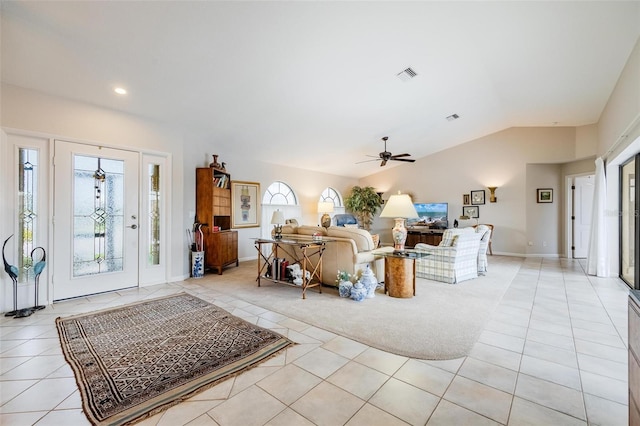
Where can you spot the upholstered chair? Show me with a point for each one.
(343, 219)
(485, 240)
(454, 260)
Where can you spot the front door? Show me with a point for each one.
(95, 220)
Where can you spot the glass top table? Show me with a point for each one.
(400, 270)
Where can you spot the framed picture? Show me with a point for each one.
(545, 195)
(466, 199)
(477, 197)
(245, 204)
(471, 211)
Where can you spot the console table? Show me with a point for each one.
(424, 235)
(305, 252)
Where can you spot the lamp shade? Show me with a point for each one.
(399, 205)
(324, 207)
(277, 218)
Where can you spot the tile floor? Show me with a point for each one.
(554, 353)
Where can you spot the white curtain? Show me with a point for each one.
(597, 260)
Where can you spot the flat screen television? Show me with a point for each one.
(434, 215)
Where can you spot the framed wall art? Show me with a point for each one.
(545, 195)
(477, 197)
(245, 204)
(466, 199)
(472, 212)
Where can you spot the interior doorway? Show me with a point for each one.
(582, 190)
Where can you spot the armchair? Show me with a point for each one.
(345, 219)
(454, 260)
(485, 243)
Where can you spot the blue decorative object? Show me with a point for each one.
(358, 292)
(13, 273)
(345, 288)
(38, 267)
(370, 282)
(197, 264)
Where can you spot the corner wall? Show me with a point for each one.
(517, 161)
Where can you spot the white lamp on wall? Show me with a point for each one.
(325, 208)
(399, 207)
(277, 220)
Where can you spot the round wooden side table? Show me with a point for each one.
(400, 276)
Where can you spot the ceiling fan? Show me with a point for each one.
(386, 156)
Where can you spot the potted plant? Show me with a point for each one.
(363, 202)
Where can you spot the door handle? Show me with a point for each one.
(134, 226)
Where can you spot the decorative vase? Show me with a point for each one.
(344, 289)
(399, 234)
(370, 282)
(358, 292)
(215, 163)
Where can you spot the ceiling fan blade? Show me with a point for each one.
(408, 160)
(384, 161)
(401, 155)
(367, 161)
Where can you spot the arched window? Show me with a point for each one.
(330, 195)
(278, 196)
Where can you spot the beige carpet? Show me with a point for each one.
(443, 321)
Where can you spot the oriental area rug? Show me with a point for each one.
(134, 361)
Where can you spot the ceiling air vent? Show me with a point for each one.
(453, 117)
(407, 74)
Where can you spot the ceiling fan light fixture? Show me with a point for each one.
(406, 74)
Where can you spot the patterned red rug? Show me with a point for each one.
(134, 361)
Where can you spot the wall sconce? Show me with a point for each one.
(492, 193)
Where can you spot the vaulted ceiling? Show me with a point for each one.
(314, 84)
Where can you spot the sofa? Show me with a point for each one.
(350, 249)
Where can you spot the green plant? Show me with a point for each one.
(363, 202)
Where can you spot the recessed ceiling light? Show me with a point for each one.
(453, 117)
(120, 91)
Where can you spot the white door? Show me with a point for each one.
(583, 204)
(95, 245)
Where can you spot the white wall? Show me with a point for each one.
(501, 160)
(52, 117)
(619, 139)
(307, 185)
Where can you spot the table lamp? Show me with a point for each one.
(325, 208)
(399, 207)
(277, 220)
